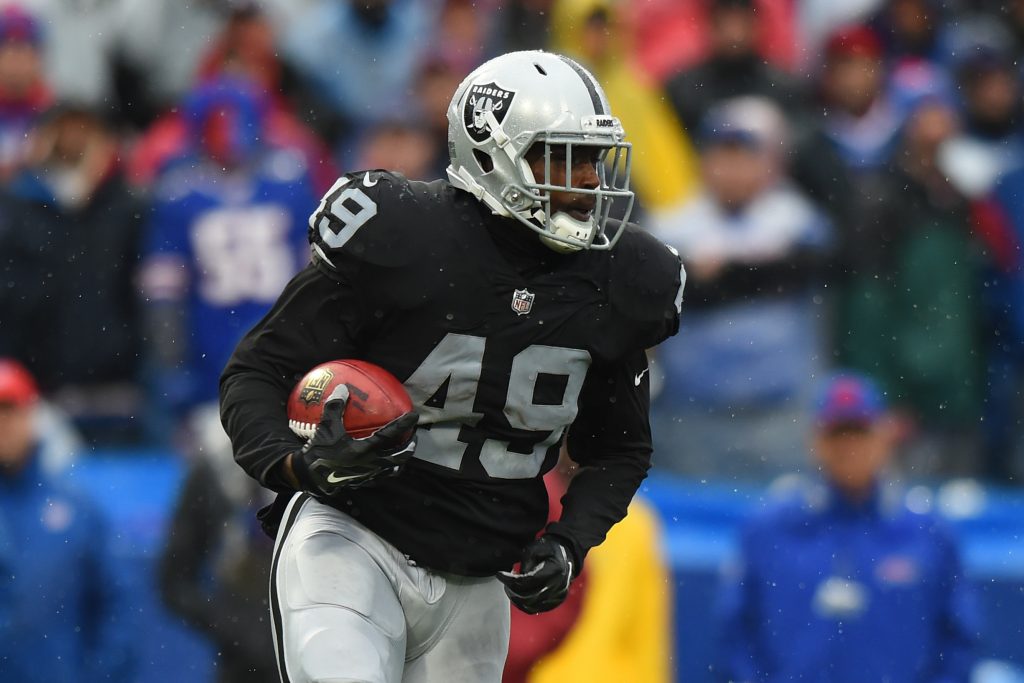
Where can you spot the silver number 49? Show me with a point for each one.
(457, 362)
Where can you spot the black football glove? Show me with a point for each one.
(332, 460)
(542, 581)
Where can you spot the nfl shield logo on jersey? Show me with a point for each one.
(522, 301)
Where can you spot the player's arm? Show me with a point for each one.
(611, 441)
(322, 315)
(317, 318)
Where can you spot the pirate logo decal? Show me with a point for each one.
(484, 98)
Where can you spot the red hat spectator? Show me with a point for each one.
(17, 386)
(854, 41)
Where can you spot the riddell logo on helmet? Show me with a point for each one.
(484, 98)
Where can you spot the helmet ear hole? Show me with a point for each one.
(483, 159)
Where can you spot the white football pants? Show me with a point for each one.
(347, 607)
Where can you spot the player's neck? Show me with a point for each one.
(521, 247)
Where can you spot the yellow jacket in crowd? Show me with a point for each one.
(624, 631)
(665, 169)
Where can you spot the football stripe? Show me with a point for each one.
(291, 514)
(588, 80)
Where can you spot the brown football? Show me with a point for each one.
(376, 397)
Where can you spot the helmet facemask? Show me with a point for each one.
(558, 228)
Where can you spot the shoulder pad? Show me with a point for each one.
(647, 278)
(376, 217)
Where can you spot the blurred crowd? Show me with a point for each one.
(844, 181)
(841, 180)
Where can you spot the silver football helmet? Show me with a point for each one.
(522, 99)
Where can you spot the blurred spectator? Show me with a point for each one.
(674, 34)
(912, 30)
(63, 611)
(910, 311)
(246, 48)
(859, 124)
(1011, 14)
(24, 94)
(403, 146)
(466, 32)
(843, 582)
(228, 231)
(860, 120)
(533, 636)
(992, 141)
(362, 55)
(733, 67)
(1000, 222)
(820, 19)
(664, 170)
(438, 79)
(71, 249)
(123, 57)
(524, 25)
(737, 374)
(215, 567)
(245, 51)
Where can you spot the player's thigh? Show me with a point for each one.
(472, 646)
(336, 616)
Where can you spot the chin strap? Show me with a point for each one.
(565, 226)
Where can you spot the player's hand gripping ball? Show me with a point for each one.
(358, 421)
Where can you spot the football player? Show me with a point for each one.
(516, 312)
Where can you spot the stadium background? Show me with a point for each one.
(343, 89)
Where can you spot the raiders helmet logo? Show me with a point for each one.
(481, 99)
(313, 391)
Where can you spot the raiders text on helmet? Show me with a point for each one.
(522, 99)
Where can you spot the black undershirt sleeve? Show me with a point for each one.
(317, 318)
(611, 441)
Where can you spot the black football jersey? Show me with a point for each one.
(506, 348)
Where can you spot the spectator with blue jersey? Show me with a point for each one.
(844, 583)
(227, 232)
(63, 615)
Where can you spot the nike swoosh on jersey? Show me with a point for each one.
(334, 479)
(366, 180)
(636, 380)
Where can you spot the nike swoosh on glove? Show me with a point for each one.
(542, 581)
(332, 460)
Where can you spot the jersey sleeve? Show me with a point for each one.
(316, 319)
(647, 286)
(611, 441)
(373, 217)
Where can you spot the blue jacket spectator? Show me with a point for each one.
(845, 584)
(228, 230)
(62, 614)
